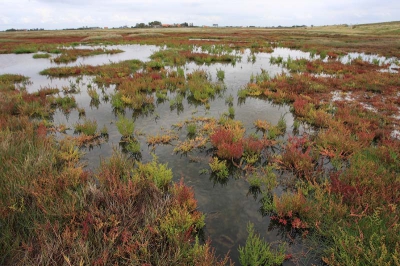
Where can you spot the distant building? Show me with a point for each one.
(215, 25)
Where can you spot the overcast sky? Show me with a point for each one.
(59, 14)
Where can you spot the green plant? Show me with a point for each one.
(242, 94)
(322, 54)
(191, 129)
(220, 74)
(25, 50)
(281, 124)
(81, 111)
(65, 103)
(176, 101)
(36, 56)
(219, 168)
(133, 147)
(125, 126)
(258, 252)
(229, 100)
(159, 173)
(376, 61)
(231, 111)
(276, 60)
(296, 125)
(116, 101)
(104, 130)
(88, 127)
(161, 96)
(92, 92)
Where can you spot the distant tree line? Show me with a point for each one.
(155, 24)
(36, 29)
(83, 28)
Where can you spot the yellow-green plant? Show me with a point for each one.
(219, 168)
(125, 126)
(258, 252)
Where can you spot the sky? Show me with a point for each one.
(61, 14)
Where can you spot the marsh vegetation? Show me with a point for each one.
(246, 146)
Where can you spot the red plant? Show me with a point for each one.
(41, 130)
(184, 196)
(155, 76)
(227, 146)
(230, 150)
(299, 107)
(253, 145)
(297, 156)
(348, 192)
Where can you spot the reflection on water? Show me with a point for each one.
(228, 207)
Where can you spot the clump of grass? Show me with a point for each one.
(155, 64)
(229, 100)
(219, 168)
(281, 125)
(220, 74)
(159, 173)
(276, 60)
(81, 111)
(296, 125)
(262, 125)
(88, 127)
(191, 129)
(322, 54)
(12, 78)
(277, 130)
(65, 103)
(104, 131)
(161, 139)
(25, 50)
(94, 95)
(242, 94)
(200, 87)
(125, 126)
(161, 96)
(176, 101)
(36, 56)
(231, 111)
(116, 101)
(258, 252)
(133, 147)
